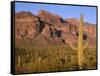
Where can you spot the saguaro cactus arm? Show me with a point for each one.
(86, 45)
(73, 47)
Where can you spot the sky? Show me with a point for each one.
(65, 11)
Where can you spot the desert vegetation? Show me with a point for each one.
(54, 58)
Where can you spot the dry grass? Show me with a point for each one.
(53, 58)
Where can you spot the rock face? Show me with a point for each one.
(47, 31)
(50, 29)
(26, 25)
(49, 17)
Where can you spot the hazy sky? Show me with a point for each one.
(65, 11)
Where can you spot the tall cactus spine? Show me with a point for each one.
(80, 45)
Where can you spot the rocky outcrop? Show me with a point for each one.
(47, 32)
(50, 29)
(50, 18)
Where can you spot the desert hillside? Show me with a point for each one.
(43, 42)
(50, 29)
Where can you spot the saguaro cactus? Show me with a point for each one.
(19, 62)
(81, 47)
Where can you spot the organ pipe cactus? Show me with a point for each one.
(81, 47)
